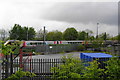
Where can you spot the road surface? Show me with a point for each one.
(55, 56)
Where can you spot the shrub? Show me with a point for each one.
(92, 71)
(71, 68)
(81, 47)
(113, 68)
(74, 68)
(19, 74)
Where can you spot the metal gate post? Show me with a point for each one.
(20, 60)
(6, 67)
(11, 64)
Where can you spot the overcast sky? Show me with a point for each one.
(61, 14)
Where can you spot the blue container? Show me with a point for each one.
(92, 56)
(100, 57)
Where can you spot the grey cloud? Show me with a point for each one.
(83, 12)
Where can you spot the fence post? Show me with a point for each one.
(1, 67)
(6, 67)
(21, 57)
(11, 64)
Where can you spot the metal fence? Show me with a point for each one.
(41, 67)
(56, 48)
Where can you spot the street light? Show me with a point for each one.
(97, 31)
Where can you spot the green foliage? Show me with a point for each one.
(85, 35)
(71, 68)
(104, 36)
(6, 50)
(97, 43)
(70, 34)
(113, 68)
(82, 35)
(118, 37)
(92, 71)
(19, 74)
(22, 33)
(38, 53)
(91, 38)
(81, 47)
(31, 33)
(54, 35)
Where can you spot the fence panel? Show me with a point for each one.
(41, 67)
(56, 48)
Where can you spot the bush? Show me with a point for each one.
(71, 68)
(19, 74)
(92, 71)
(81, 47)
(74, 68)
(113, 68)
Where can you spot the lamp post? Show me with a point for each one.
(97, 31)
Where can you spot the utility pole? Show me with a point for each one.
(27, 34)
(97, 31)
(44, 36)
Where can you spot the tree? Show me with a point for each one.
(90, 32)
(22, 33)
(104, 36)
(8, 50)
(3, 34)
(58, 35)
(70, 34)
(82, 35)
(15, 32)
(31, 33)
(39, 34)
(118, 38)
(54, 35)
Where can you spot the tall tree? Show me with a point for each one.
(70, 34)
(104, 36)
(89, 33)
(54, 35)
(58, 35)
(31, 33)
(82, 35)
(22, 33)
(15, 32)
